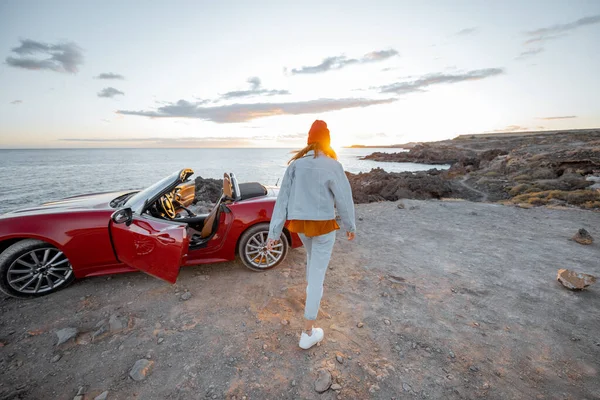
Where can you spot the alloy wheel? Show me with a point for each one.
(39, 271)
(257, 253)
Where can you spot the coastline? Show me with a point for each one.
(556, 168)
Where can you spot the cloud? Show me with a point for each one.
(339, 62)
(60, 57)
(529, 53)
(510, 128)
(224, 141)
(418, 85)
(156, 139)
(467, 31)
(109, 75)
(109, 92)
(255, 90)
(293, 136)
(233, 113)
(562, 117)
(16, 102)
(559, 30)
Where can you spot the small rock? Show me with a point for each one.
(451, 353)
(66, 334)
(401, 205)
(473, 368)
(265, 346)
(339, 359)
(100, 323)
(81, 391)
(336, 386)
(323, 381)
(56, 358)
(360, 218)
(373, 388)
(102, 396)
(284, 322)
(293, 383)
(414, 207)
(574, 280)
(406, 387)
(101, 331)
(583, 237)
(386, 321)
(360, 325)
(186, 296)
(115, 324)
(141, 369)
(160, 340)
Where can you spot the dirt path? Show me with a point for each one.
(458, 301)
(463, 183)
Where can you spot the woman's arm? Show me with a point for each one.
(342, 192)
(280, 211)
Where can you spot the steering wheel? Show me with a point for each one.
(166, 204)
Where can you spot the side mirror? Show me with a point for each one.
(123, 216)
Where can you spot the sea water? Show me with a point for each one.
(29, 177)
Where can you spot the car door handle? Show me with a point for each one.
(165, 238)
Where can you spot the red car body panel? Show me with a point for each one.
(79, 227)
(155, 247)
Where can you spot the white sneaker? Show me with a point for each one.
(308, 341)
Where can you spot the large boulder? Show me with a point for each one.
(379, 185)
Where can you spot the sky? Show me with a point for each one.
(257, 74)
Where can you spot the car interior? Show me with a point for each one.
(175, 206)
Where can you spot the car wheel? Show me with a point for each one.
(253, 249)
(31, 268)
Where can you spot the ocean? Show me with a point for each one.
(30, 177)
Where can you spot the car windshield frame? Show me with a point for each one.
(140, 199)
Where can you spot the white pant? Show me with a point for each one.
(318, 254)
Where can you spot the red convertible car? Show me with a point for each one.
(43, 249)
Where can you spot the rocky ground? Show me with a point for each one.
(559, 168)
(433, 300)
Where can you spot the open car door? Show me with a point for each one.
(151, 245)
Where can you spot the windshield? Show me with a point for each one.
(137, 201)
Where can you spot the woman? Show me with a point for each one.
(313, 183)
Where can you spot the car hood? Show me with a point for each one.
(95, 201)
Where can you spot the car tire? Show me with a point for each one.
(33, 268)
(251, 251)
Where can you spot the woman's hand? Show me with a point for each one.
(350, 235)
(271, 243)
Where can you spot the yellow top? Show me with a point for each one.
(312, 228)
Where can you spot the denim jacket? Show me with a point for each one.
(309, 190)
